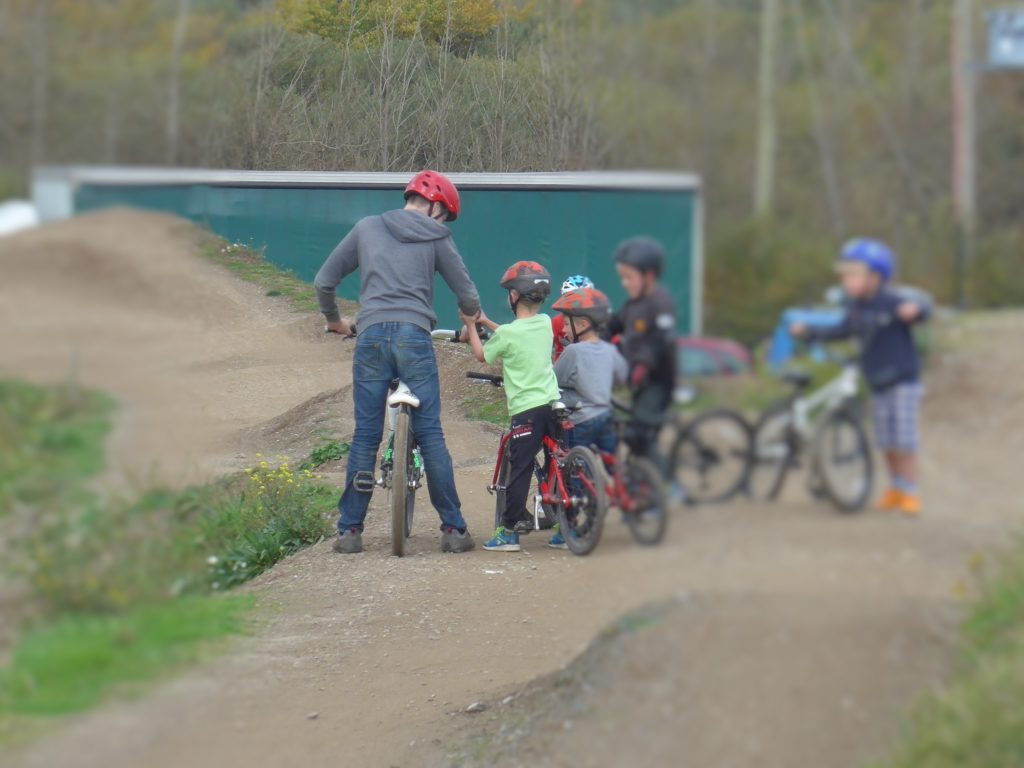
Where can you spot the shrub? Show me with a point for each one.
(107, 556)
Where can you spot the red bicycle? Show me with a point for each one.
(568, 484)
(634, 485)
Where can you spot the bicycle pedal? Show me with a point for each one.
(523, 527)
(364, 482)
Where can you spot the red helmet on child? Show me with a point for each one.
(437, 188)
(585, 302)
(529, 279)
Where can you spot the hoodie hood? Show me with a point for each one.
(414, 227)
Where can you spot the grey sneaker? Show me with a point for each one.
(349, 543)
(453, 541)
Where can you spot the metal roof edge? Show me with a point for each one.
(145, 176)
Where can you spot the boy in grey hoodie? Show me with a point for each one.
(397, 254)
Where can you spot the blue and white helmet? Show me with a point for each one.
(575, 282)
(876, 255)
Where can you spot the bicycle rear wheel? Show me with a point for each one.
(712, 456)
(583, 520)
(648, 517)
(843, 463)
(401, 497)
(773, 453)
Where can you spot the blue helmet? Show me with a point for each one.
(575, 282)
(874, 254)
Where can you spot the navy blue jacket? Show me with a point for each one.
(888, 354)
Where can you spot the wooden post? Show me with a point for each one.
(964, 143)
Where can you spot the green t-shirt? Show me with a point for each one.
(524, 348)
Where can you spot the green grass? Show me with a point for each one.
(327, 450)
(77, 661)
(112, 555)
(977, 721)
(119, 590)
(250, 265)
(483, 402)
(488, 410)
(51, 442)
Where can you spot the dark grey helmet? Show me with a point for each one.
(643, 253)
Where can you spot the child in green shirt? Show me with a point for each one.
(524, 349)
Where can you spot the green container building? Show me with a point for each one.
(570, 222)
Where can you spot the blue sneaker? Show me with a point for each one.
(558, 540)
(503, 540)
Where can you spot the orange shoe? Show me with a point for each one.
(891, 500)
(910, 504)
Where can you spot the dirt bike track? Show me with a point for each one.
(793, 637)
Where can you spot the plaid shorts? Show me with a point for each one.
(896, 410)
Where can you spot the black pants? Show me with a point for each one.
(526, 437)
(650, 405)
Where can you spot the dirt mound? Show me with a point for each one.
(327, 416)
(120, 259)
(124, 302)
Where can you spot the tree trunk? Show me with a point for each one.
(964, 128)
(822, 134)
(174, 84)
(767, 131)
(40, 80)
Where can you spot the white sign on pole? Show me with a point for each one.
(1006, 39)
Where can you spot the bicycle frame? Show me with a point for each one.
(808, 409)
(615, 488)
(552, 488)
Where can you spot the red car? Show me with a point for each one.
(702, 356)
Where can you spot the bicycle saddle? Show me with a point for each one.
(402, 396)
(799, 379)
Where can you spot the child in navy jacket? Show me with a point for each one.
(880, 318)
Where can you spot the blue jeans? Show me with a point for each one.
(384, 352)
(598, 431)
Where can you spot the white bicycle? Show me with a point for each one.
(827, 426)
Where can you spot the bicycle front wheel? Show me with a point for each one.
(712, 456)
(647, 516)
(401, 495)
(415, 476)
(772, 454)
(583, 520)
(843, 463)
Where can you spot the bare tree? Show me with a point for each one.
(40, 80)
(767, 132)
(822, 134)
(174, 81)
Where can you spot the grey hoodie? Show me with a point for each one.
(397, 254)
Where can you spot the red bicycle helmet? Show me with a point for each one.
(529, 278)
(437, 188)
(585, 302)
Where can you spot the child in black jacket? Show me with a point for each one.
(646, 327)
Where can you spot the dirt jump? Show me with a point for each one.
(755, 635)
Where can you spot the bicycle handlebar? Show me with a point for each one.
(619, 405)
(490, 378)
(438, 333)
